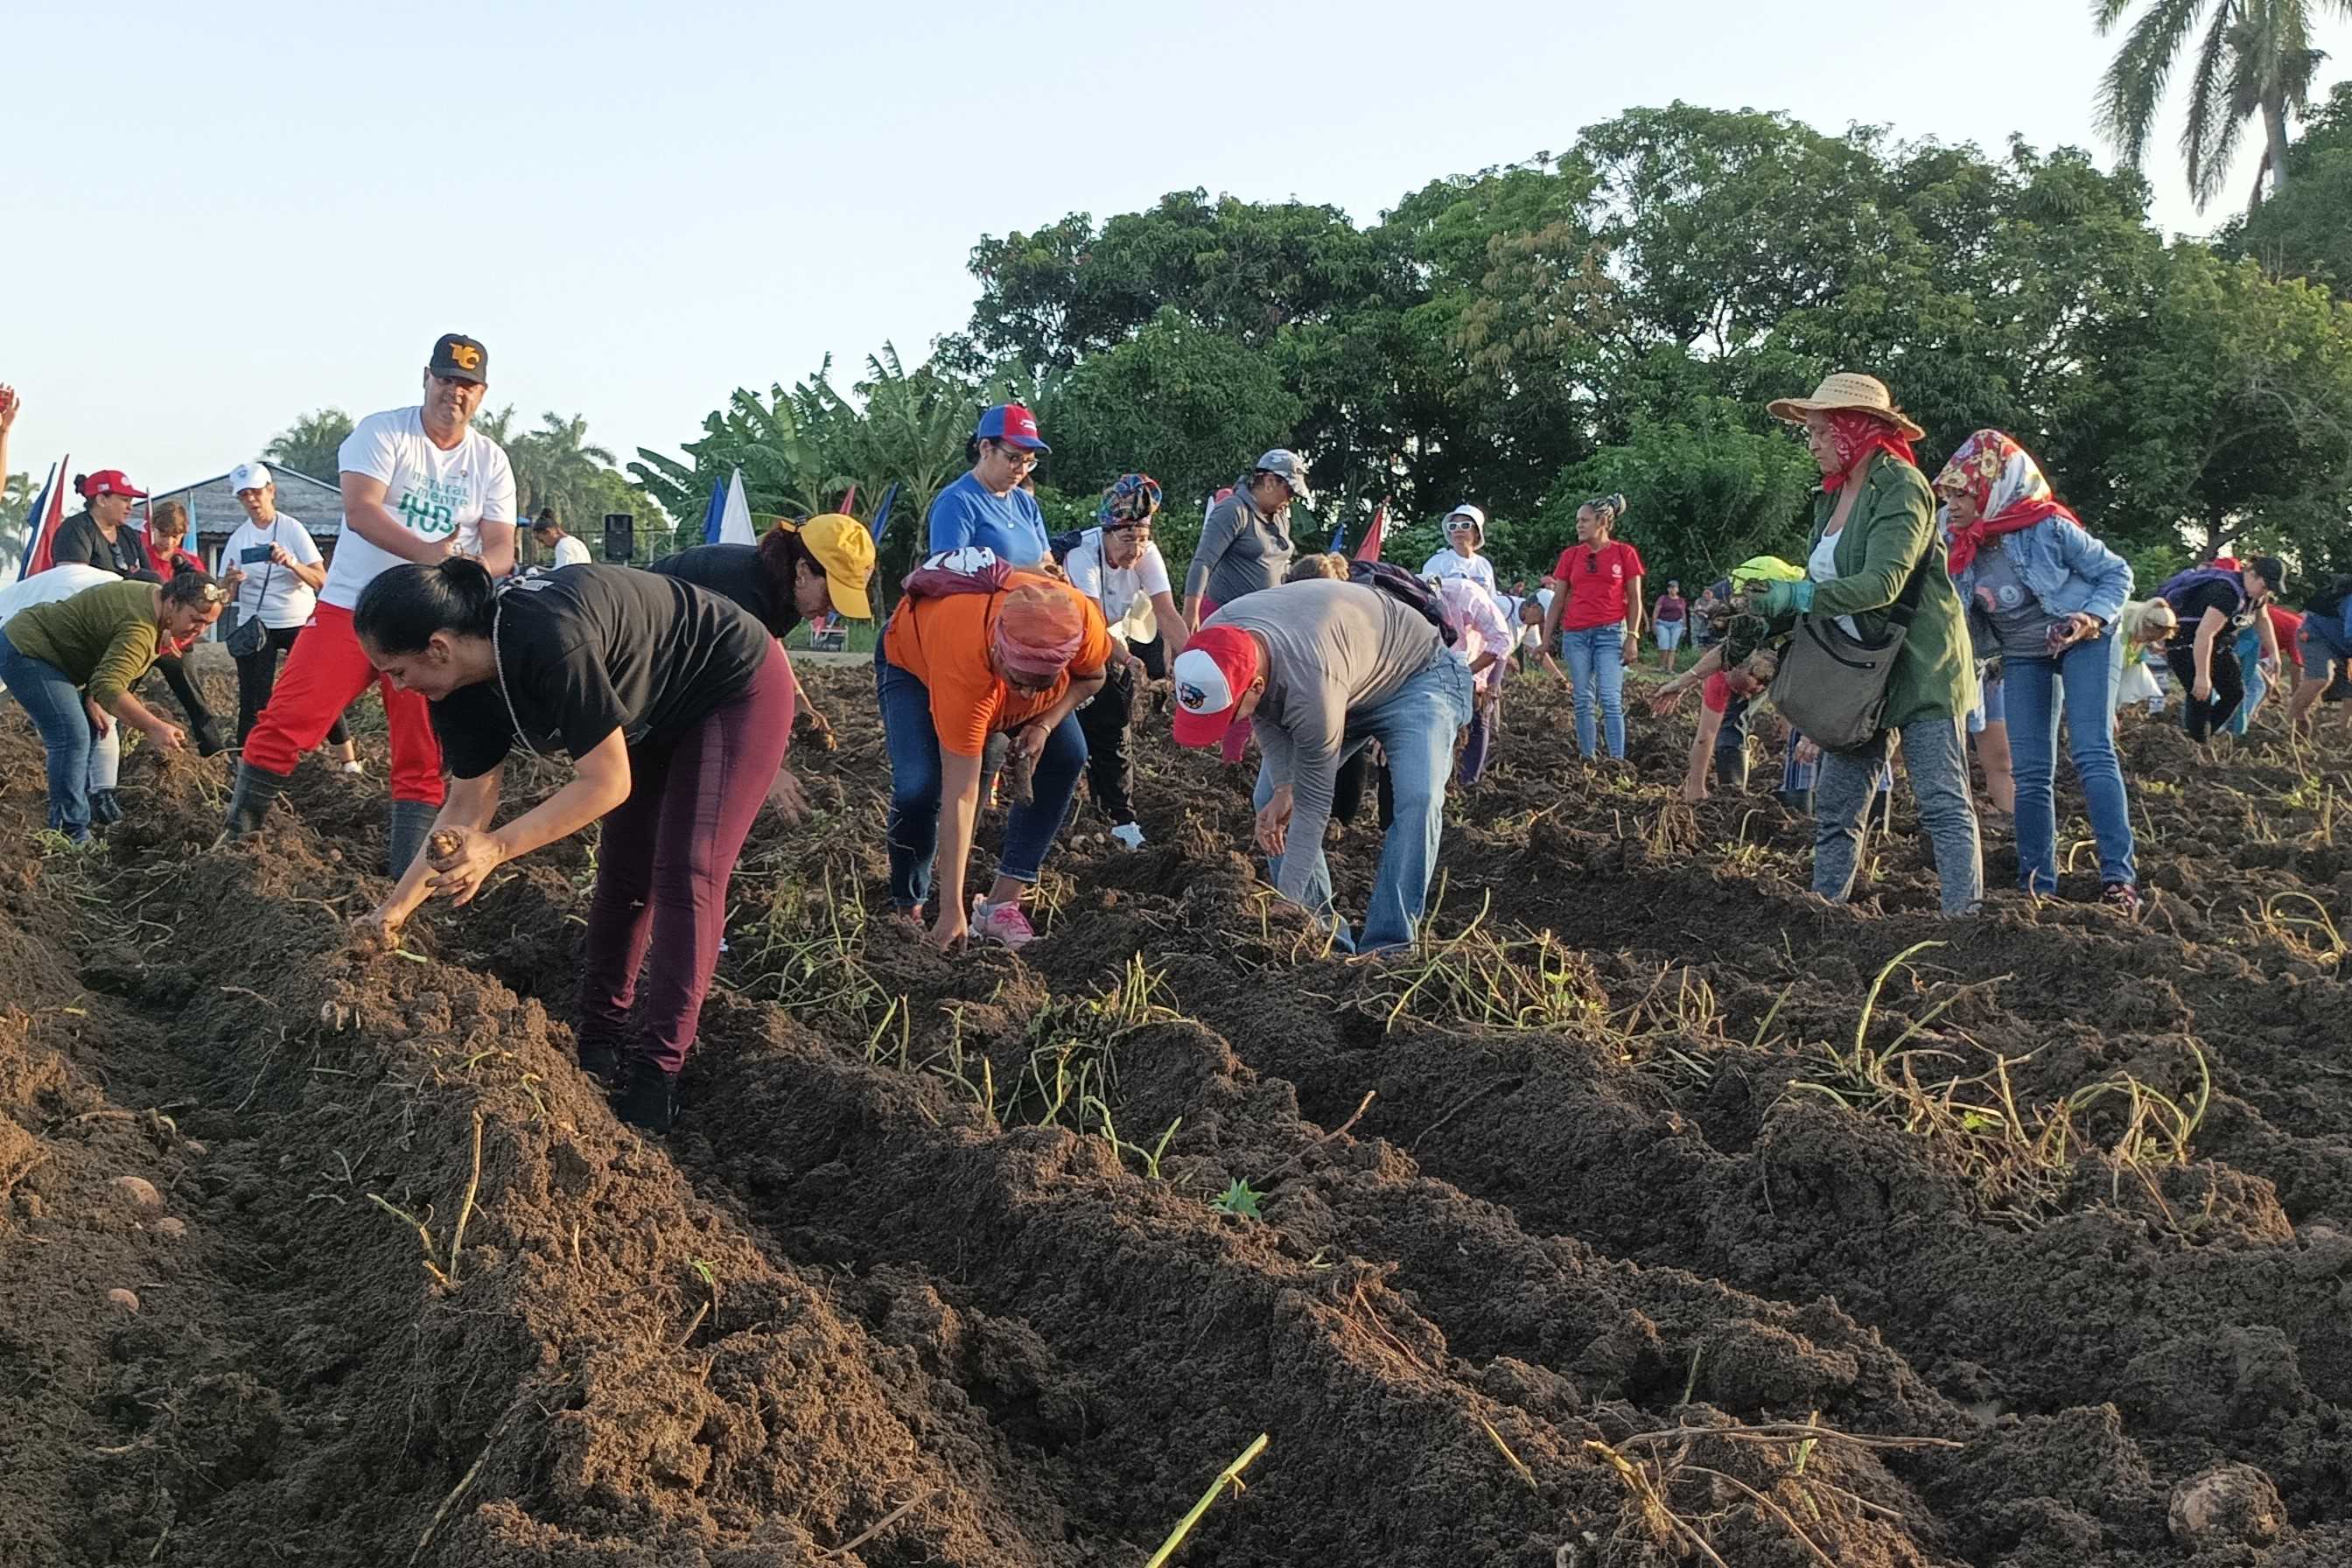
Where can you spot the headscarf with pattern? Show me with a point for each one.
(2011, 492)
(1133, 497)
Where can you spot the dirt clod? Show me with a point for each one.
(2229, 1505)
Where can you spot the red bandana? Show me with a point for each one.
(1856, 436)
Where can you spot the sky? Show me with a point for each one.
(226, 215)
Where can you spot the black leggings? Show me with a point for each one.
(257, 677)
(1107, 722)
(2228, 687)
(174, 671)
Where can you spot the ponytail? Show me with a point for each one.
(401, 610)
(1607, 508)
(781, 548)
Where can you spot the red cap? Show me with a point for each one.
(109, 482)
(1211, 676)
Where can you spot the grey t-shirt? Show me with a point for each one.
(1240, 552)
(1331, 647)
(2005, 616)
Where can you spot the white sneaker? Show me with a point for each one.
(1001, 922)
(354, 767)
(1130, 834)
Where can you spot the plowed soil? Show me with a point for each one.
(1654, 1213)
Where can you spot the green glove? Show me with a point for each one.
(1779, 599)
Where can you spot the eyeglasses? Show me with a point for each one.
(1019, 457)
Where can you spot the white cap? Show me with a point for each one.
(249, 476)
(1477, 519)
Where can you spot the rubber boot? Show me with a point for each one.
(411, 822)
(248, 803)
(647, 1100)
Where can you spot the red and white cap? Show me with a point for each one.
(109, 482)
(1216, 667)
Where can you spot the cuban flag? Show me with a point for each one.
(41, 522)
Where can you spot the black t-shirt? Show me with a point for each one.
(79, 543)
(733, 572)
(2220, 594)
(591, 649)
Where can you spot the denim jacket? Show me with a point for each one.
(2068, 570)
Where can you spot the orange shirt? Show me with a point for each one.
(943, 643)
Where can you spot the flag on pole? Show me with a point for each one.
(1338, 545)
(41, 522)
(714, 512)
(1370, 548)
(882, 513)
(735, 517)
(849, 507)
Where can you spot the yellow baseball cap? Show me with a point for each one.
(845, 550)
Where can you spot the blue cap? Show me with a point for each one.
(1013, 424)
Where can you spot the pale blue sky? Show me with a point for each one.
(249, 210)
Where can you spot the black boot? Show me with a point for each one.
(248, 803)
(105, 811)
(647, 1100)
(209, 738)
(411, 824)
(600, 1060)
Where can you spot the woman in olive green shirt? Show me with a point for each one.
(72, 663)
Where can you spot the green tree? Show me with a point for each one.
(15, 502)
(312, 444)
(2256, 59)
(786, 471)
(556, 469)
(1187, 405)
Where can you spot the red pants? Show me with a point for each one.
(322, 676)
(662, 864)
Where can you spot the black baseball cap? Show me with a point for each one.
(2272, 569)
(461, 358)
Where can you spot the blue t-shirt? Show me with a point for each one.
(965, 513)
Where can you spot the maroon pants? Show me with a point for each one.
(663, 867)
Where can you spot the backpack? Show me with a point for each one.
(1400, 585)
(2181, 585)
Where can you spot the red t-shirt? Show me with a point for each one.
(1715, 694)
(1597, 583)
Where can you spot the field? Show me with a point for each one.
(1655, 1213)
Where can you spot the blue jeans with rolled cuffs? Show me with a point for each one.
(1414, 726)
(1596, 663)
(917, 784)
(2080, 678)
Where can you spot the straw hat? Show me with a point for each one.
(1860, 393)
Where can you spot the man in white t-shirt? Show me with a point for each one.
(1466, 535)
(549, 534)
(419, 484)
(1117, 566)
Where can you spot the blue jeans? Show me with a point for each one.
(2084, 672)
(917, 784)
(1596, 662)
(1935, 756)
(1415, 728)
(54, 704)
(2257, 684)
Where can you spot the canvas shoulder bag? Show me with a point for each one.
(1832, 685)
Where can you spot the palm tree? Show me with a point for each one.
(313, 445)
(2255, 57)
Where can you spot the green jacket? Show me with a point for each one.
(102, 638)
(1892, 525)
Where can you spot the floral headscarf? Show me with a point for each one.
(1134, 498)
(2011, 492)
(1857, 435)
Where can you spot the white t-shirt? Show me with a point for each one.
(570, 551)
(1474, 566)
(1822, 567)
(1123, 594)
(435, 494)
(288, 600)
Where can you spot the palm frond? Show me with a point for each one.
(2209, 137)
(2133, 88)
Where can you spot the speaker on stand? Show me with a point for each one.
(619, 536)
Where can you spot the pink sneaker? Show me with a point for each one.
(1001, 922)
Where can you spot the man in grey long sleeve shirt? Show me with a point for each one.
(1322, 669)
(1246, 539)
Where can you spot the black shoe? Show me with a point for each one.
(208, 741)
(602, 1062)
(2338, 689)
(105, 811)
(648, 1099)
